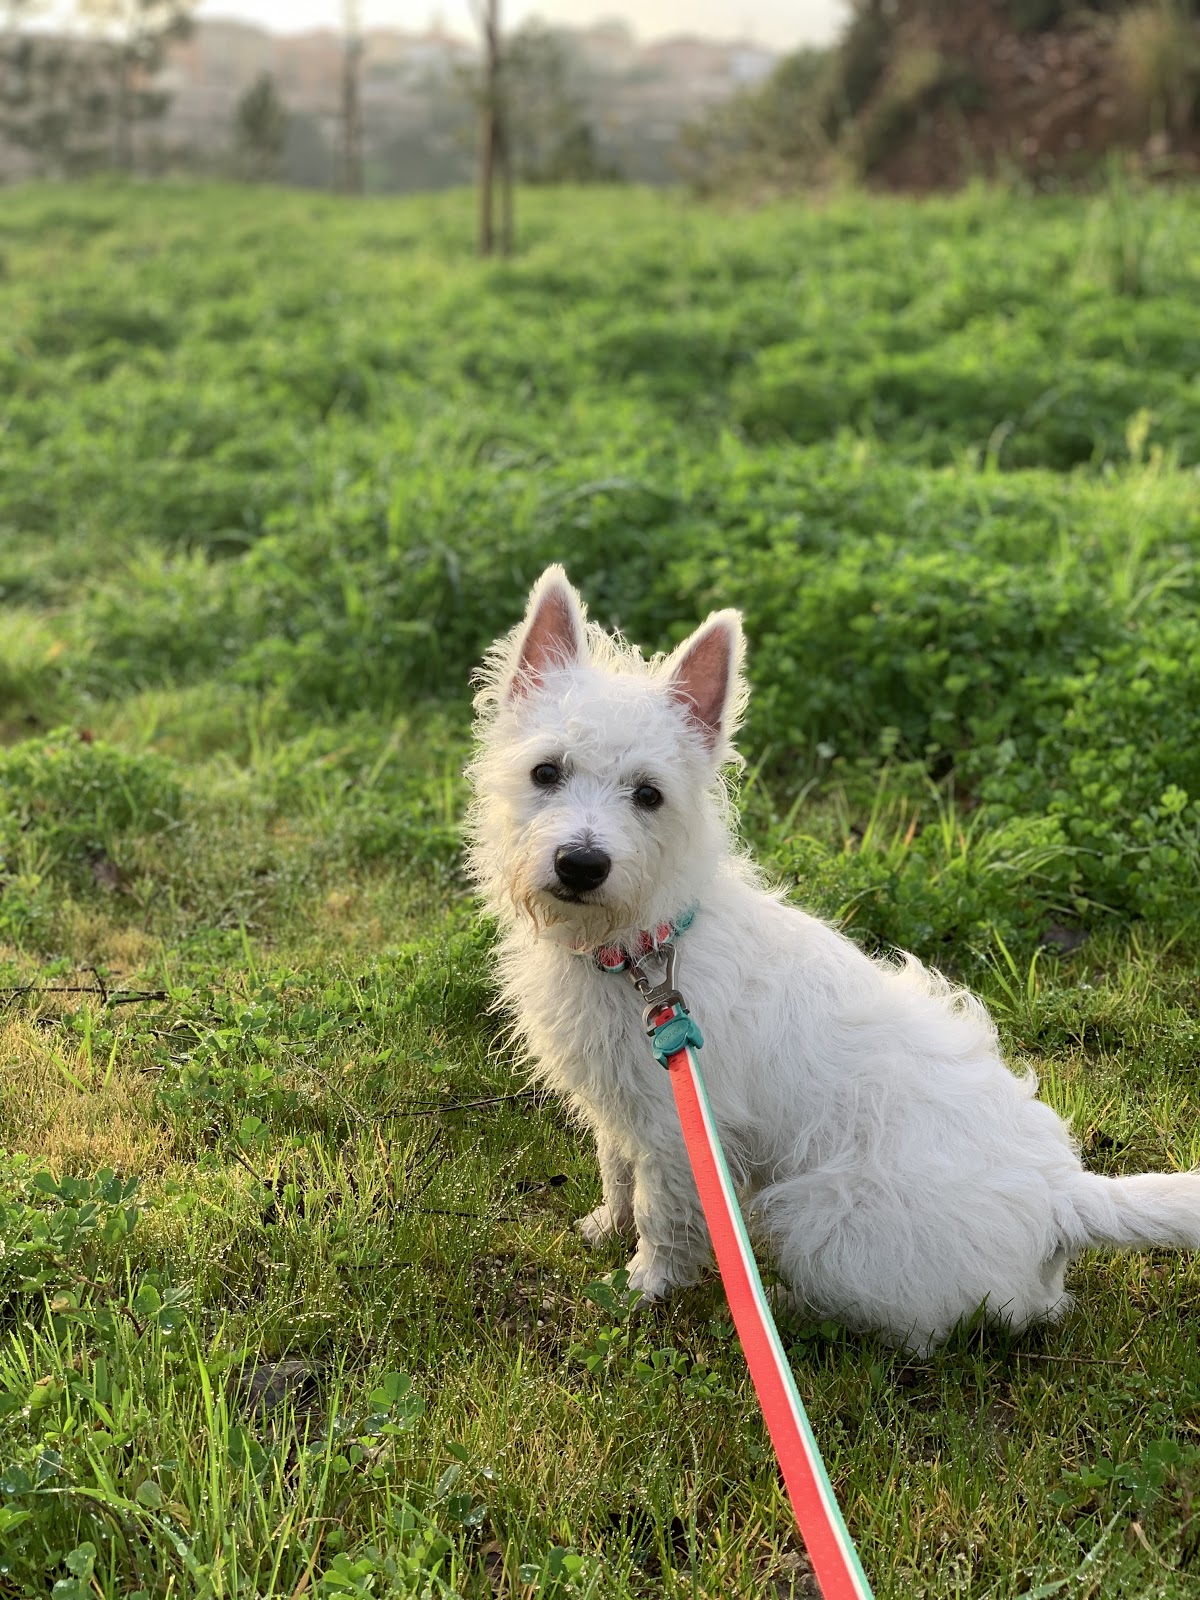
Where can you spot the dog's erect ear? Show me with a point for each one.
(553, 635)
(706, 677)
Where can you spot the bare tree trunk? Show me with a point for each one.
(123, 150)
(352, 158)
(504, 161)
(494, 158)
(487, 167)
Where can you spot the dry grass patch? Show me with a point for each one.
(76, 1114)
(92, 938)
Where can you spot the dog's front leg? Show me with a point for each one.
(615, 1213)
(673, 1242)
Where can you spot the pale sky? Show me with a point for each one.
(781, 23)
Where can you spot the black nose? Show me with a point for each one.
(581, 867)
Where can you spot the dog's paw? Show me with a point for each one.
(598, 1227)
(650, 1277)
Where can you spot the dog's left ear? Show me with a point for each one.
(705, 677)
(552, 634)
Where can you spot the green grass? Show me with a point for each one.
(290, 1297)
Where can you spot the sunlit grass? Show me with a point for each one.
(292, 1300)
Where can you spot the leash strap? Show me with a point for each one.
(823, 1529)
(826, 1537)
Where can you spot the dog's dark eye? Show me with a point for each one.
(545, 774)
(647, 797)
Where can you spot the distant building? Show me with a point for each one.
(750, 64)
(608, 46)
(417, 108)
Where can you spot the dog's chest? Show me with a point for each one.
(584, 1030)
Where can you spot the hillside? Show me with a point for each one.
(997, 88)
(922, 95)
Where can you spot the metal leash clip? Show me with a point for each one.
(678, 1029)
(660, 995)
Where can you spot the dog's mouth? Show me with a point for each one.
(583, 918)
(573, 897)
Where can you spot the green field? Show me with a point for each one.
(292, 1302)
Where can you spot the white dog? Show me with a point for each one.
(901, 1174)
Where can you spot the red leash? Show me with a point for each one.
(675, 1038)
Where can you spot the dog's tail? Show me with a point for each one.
(1153, 1208)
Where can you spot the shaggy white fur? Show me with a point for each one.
(901, 1174)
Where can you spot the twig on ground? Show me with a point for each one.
(1033, 1355)
(472, 1216)
(425, 1166)
(257, 1176)
(1077, 1361)
(337, 1093)
(421, 1107)
(306, 1576)
(115, 997)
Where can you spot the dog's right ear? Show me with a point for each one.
(553, 633)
